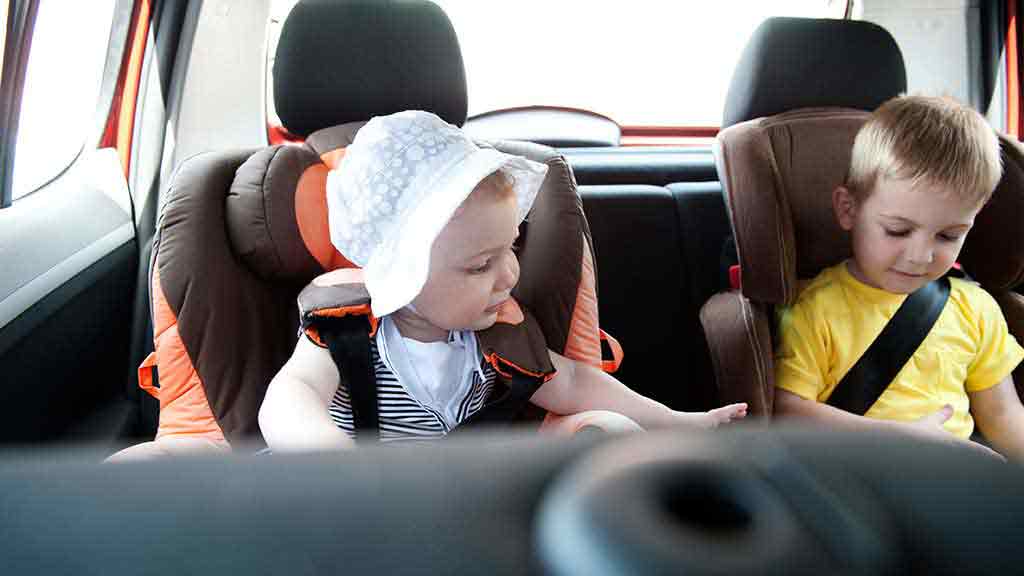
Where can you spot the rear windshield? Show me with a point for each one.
(641, 63)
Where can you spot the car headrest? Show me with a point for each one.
(778, 174)
(778, 187)
(340, 62)
(276, 220)
(792, 63)
(276, 209)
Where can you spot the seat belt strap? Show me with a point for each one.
(892, 349)
(348, 340)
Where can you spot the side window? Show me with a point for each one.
(62, 85)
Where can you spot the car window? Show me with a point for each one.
(641, 63)
(62, 84)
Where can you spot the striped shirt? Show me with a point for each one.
(402, 416)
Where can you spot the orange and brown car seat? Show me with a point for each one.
(243, 231)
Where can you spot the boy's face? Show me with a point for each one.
(472, 266)
(904, 236)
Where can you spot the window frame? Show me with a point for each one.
(21, 17)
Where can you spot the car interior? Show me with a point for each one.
(151, 284)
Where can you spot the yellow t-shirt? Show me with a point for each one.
(837, 317)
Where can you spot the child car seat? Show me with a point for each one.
(800, 93)
(243, 231)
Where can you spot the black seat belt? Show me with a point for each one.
(892, 349)
(348, 340)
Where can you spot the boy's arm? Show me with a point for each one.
(926, 428)
(294, 416)
(1000, 417)
(578, 387)
(788, 404)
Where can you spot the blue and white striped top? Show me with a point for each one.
(401, 415)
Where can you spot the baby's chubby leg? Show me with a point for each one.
(604, 420)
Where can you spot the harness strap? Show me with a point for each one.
(349, 343)
(509, 405)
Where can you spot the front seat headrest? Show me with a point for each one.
(340, 62)
(792, 63)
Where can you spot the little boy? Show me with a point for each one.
(921, 170)
(431, 218)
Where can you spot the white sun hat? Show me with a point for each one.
(395, 189)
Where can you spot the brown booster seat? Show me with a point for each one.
(243, 231)
(786, 146)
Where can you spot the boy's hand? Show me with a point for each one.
(930, 428)
(931, 425)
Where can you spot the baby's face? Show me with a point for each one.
(472, 266)
(905, 236)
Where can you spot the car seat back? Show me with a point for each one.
(993, 253)
(778, 173)
(801, 91)
(243, 231)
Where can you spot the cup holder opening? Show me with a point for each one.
(707, 504)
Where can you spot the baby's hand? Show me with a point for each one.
(712, 418)
(725, 414)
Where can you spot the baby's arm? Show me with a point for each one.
(578, 387)
(294, 416)
(1000, 417)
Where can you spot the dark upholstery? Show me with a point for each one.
(262, 227)
(998, 229)
(347, 61)
(993, 253)
(652, 246)
(792, 63)
(640, 281)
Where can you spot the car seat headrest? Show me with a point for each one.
(340, 62)
(778, 174)
(791, 63)
(276, 210)
(993, 253)
(778, 188)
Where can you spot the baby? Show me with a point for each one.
(432, 220)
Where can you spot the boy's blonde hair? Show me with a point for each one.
(926, 139)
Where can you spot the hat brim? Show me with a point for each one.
(398, 270)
